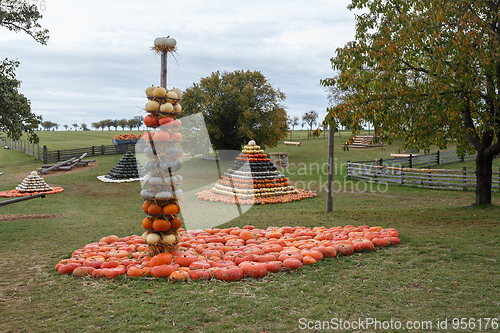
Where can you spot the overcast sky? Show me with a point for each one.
(98, 60)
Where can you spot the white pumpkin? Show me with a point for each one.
(149, 91)
(169, 239)
(167, 107)
(177, 108)
(153, 238)
(152, 106)
(178, 92)
(165, 42)
(159, 92)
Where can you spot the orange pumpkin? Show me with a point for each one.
(170, 209)
(179, 275)
(161, 225)
(161, 259)
(163, 270)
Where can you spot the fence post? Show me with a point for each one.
(437, 157)
(348, 169)
(93, 150)
(38, 151)
(58, 155)
(430, 174)
(411, 161)
(402, 177)
(45, 157)
(102, 149)
(462, 158)
(464, 177)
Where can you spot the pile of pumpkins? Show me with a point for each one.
(162, 106)
(227, 254)
(160, 187)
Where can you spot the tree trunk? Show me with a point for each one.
(484, 167)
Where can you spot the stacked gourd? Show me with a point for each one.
(253, 175)
(33, 183)
(160, 187)
(127, 168)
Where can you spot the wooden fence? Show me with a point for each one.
(423, 161)
(415, 171)
(52, 156)
(21, 145)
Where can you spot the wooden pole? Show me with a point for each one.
(329, 177)
(163, 74)
(33, 196)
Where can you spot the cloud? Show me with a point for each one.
(98, 61)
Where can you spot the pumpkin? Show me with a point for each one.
(185, 259)
(308, 260)
(147, 223)
(153, 238)
(255, 269)
(292, 263)
(175, 223)
(161, 259)
(344, 249)
(229, 274)
(197, 274)
(83, 271)
(159, 92)
(167, 108)
(151, 121)
(154, 209)
(177, 108)
(167, 121)
(149, 91)
(152, 106)
(165, 42)
(162, 136)
(170, 209)
(273, 266)
(161, 225)
(169, 239)
(162, 270)
(178, 92)
(179, 275)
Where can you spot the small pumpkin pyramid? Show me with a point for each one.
(33, 183)
(253, 179)
(128, 167)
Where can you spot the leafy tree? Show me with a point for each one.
(97, 125)
(47, 125)
(138, 122)
(292, 122)
(132, 123)
(122, 123)
(16, 116)
(84, 127)
(114, 123)
(66, 126)
(310, 118)
(427, 72)
(238, 107)
(107, 123)
(75, 126)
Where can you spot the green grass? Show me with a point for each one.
(445, 267)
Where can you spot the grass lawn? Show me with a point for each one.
(445, 267)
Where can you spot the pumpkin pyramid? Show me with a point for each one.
(253, 179)
(127, 168)
(33, 183)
